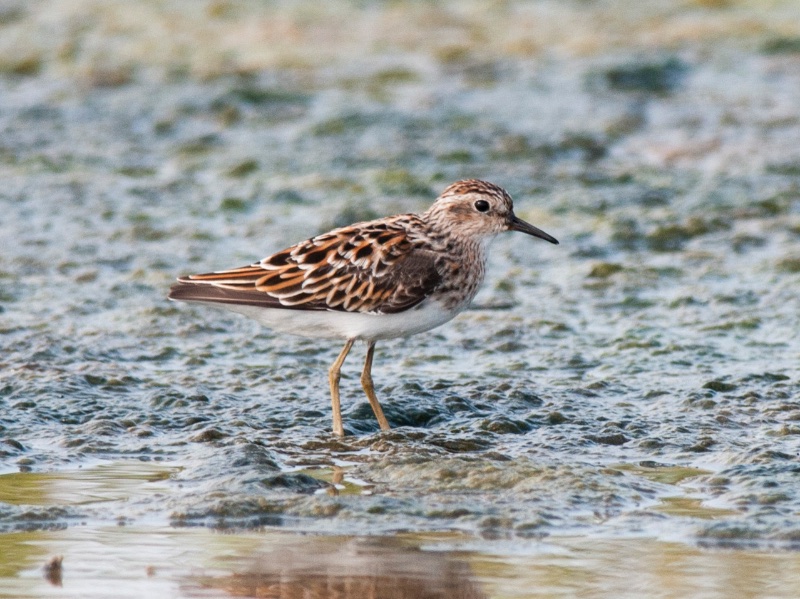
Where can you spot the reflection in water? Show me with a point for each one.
(373, 568)
(130, 562)
(52, 570)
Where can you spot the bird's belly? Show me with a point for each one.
(427, 315)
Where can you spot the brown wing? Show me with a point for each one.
(370, 267)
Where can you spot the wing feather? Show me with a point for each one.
(375, 267)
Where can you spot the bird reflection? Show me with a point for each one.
(366, 568)
(53, 570)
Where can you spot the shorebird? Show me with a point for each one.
(391, 277)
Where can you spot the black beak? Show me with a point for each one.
(517, 224)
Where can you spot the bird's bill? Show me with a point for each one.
(517, 224)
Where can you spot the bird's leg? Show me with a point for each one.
(334, 374)
(369, 389)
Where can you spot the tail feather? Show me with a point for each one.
(199, 292)
(192, 292)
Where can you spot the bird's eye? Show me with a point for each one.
(482, 206)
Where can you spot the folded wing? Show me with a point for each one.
(370, 267)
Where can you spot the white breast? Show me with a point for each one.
(331, 324)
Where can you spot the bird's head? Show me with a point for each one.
(481, 210)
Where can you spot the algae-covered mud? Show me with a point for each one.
(625, 400)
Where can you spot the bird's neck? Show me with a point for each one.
(461, 262)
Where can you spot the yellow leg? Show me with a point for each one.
(369, 389)
(334, 374)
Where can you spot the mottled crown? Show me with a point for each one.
(468, 186)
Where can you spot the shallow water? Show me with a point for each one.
(627, 399)
(140, 556)
(165, 562)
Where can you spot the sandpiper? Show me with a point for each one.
(391, 277)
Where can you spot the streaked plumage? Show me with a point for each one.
(391, 277)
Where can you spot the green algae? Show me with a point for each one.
(112, 482)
